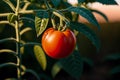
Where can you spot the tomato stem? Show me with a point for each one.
(53, 23)
(17, 29)
(61, 24)
(64, 28)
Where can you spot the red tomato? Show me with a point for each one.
(58, 44)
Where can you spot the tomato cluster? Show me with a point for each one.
(58, 44)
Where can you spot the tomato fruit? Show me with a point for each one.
(58, 44)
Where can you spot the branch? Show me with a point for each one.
(8, 39)
(8, 64)
(7, 22)
(8, 51)
(10, 4)
(4, 14)
(21, 12)
(26, 6)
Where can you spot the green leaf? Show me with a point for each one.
(80, 1)
(88, 61)
(107, 1)
(40, 25)
(40, 56)
(115, 70)
(11, 18)
(73, 64)
(42, 14)
(90, 34)
(114, 56)
(41, 21)
(86, 14)
(56, 69)
(66, 3)
(56, 2)
(102, 14)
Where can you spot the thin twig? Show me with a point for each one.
(7, 22)
(7, 50)
(26, 6)
(8, 39)
(22, 12)
(10, 4)
(8, 64)
(31, 43)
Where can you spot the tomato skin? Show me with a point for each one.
(58, 44)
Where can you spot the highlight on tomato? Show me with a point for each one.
(58, 44)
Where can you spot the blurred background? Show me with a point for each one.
(110, 43)
(108, 58)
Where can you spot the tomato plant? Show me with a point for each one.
(26, 23)
(58, 44)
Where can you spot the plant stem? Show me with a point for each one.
(61, 24)
(7, 22)
(22, 12)
(47, 5)
(18, 41)
(18, 50)
(53, 23)
(26, 5)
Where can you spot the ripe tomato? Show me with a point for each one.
(58, 44)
